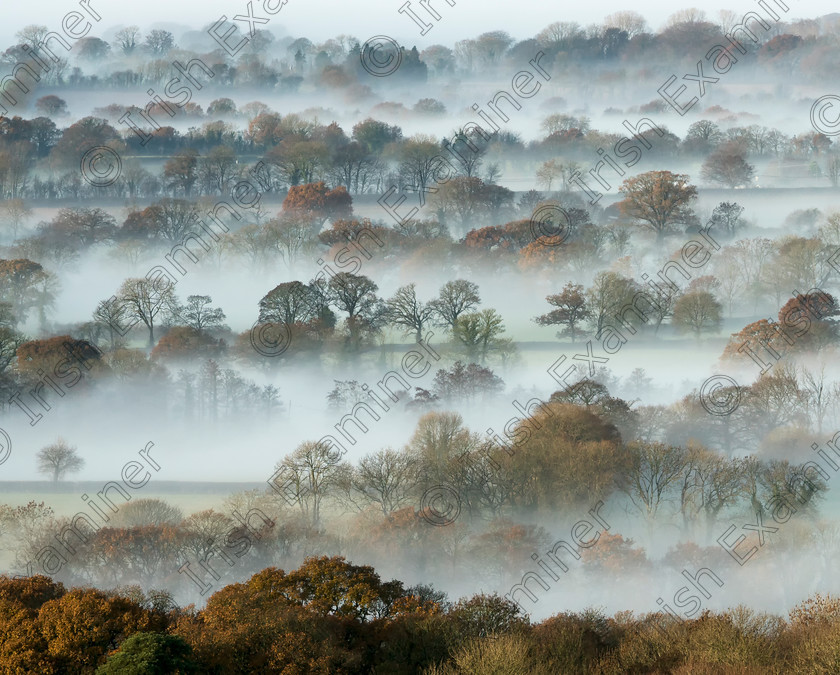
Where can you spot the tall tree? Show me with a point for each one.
(406, 311)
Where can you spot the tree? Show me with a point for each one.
(455, 298)
(25, 285)
(386, 478)
(288, 303)
(59, 459)
(92, 48)
(146, 300)
(180, 170)
(309, 473)
(151, 654)
(158, 42)
(375, 135)
(199, 315)
(608, 295)
(420, 160)
(655, 469)
(217, 169)
(702, 137)
(52, 106)
(126, 39)
(478, 333)
(726, 218)
(110, 313)
(141, 512)
(728, 166)
(406, 311)
(466, 382)
(571, 310)
(697, 311)
(660, 199)
(355, 295)
(319, 201)
(14, 212)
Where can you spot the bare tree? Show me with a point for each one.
(59, 459)
(146, 300)
(386, 478)
(405, 310)
(455, 298)
(655, 468)
(199, 315)
(126, 39)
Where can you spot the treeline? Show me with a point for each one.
(40, 161)
(621, 39)
(409, 507)
(331, 616)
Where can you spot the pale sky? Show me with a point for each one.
(322, 19)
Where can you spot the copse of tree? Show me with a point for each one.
(67, 359)
(181, 343)
(319, 201)
(805, 323)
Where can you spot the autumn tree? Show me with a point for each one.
(572, 457)
(62, 356)
(659, 199)
(571, 310)
(140, 512)
(58, 459)
(319, 201)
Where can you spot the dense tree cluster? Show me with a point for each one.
(331, 616)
